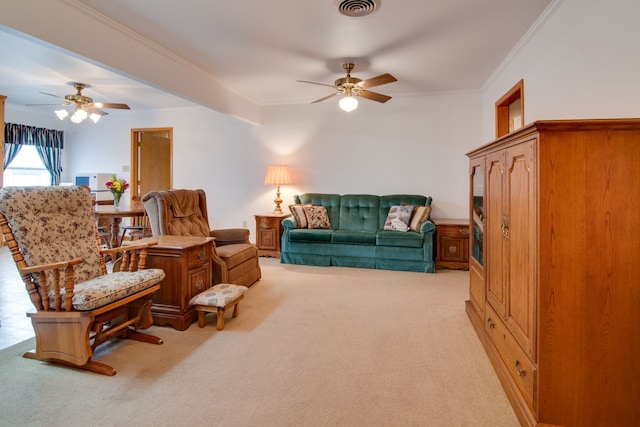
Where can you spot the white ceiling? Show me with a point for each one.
(258, 49)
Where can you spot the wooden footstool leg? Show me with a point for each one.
(236, 309)
(220, 324)
(201, 321)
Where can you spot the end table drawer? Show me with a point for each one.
(197, 282)
(198, 256)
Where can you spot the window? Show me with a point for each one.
(26, 169)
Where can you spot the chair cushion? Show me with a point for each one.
(219, 295)
(237, 253)
(106, 289)
(54, 224)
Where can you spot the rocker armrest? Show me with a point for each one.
(127, 248)
(56, 282)
(45, 267)
(229, 236)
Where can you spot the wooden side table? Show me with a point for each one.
(268, 233)
(452, 243)
(186, 262)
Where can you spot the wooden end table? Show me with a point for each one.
(268, 233)
(452, 243)
(186, 262)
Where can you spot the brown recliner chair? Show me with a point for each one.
(184, 213)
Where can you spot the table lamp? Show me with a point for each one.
(277, 175)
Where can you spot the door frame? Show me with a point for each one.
(133, 174)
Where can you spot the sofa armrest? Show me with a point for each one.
(229, 236)
(289, 223)
(428, 228)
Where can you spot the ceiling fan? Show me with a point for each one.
(353, 86)
(83, 105)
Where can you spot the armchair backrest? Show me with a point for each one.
(54, 224)
(177, 212)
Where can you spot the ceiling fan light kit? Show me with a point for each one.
(352, 87)
(348, 103)
(83, 106)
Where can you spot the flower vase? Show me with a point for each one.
(116, 200)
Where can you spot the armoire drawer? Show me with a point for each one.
(520, 368)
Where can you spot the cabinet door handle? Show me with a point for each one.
(520, 371)
(464, 231)
(490, 323)
(504, 226)
(199, 285)
(201, 255)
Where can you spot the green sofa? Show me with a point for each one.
(357, 237)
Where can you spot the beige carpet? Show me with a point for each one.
(313, 346)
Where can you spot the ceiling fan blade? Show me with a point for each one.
(50, 94)
(326, 97)
(382, 79)
(110, 105)
(314, 83)
(41, 105)
(374, 96)
(94, 110)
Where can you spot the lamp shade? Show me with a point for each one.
(277, 175)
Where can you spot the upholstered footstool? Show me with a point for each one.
(217, 299)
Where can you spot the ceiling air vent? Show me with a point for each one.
(356, 8)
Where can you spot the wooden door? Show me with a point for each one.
(151, 160)
(521, 244)
(495, 235)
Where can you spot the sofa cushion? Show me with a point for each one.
(316, 217)
(354, 237)
(386, 202)
(359, 212)
(399, 239)
(398, 218)
(298, 214)
(329, 201)
(419, 216)
(306, 235)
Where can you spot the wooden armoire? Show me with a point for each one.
(554, 292)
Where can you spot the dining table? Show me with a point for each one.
(115, 216)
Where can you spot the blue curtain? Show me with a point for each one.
(10, 152)
(49, 144)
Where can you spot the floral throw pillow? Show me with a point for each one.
(398, 218)
(317, 217)
(420, 216)
(298, 213)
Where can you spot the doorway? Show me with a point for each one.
(151, 161)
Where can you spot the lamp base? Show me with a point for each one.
(278, 202)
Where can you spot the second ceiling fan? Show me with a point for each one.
(353, 86)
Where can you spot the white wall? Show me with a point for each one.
(408, 145)
(582, 60)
